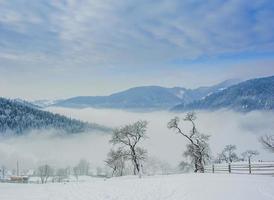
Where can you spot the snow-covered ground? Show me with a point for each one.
(169, 187)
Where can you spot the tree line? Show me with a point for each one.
(197, 153)
(17, 118)
(128, 156)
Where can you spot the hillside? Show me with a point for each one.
(27, 103)
(18, 118)
(255, 94)
(139, 97)
(192, 95)
(146, 97)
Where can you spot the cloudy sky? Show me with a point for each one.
(63, 48)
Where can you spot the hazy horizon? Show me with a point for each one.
(129, 87)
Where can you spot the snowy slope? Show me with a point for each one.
(170, 187)
(134, 98)
(45, 102)
(254, 94)
(20, 117)
(145, 97)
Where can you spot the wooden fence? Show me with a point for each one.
(259, 168)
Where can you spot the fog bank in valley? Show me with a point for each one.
(225, 127)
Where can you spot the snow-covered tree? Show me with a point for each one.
(116, 161)
(185, 167)
(247, 155)
(61, 174)
(44, 172)
(268, 142)
(17, 118)
(228, 154)
(129, 136)
(83, 167)
(198, 148)
(76, 172)
(3, 171)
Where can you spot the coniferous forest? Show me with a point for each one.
(17, 118)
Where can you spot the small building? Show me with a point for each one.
(19, 179)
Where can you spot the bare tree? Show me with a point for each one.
(61, 174)
(268, 142)
(141, 155)
(116, 161)
(247, 155)
(83, 167)
(44, 172)
(198, 148)
(76, 172)
(3, 171)
(228, 154)
(185, 167)
(129, 136)
(219, 158)
(99, 171)
(153, 165)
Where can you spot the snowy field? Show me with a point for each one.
(169, 187)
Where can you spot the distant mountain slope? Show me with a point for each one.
(26, 103)
(201, 92)
(146, 97)
(255, 94)
(17, 118)
(44, 102)
(139, 97)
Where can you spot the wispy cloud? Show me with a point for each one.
(131, 35)
(108, 32)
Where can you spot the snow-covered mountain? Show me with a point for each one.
(18, 118)
(139, 97)
(27, 103)
(192, 95)
(255, 94)
(44, 102)
(146, 97)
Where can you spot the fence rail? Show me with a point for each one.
(260, 168)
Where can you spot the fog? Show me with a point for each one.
(225, 127)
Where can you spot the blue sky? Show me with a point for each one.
(63, 48)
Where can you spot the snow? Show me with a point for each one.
(168, 187)
(180, 94)
(45, 102)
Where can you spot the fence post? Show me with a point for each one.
(229, 168)
(249, 165)
(213, 170)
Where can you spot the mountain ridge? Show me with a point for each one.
(143, 97)
(18, 118)
(253, 94)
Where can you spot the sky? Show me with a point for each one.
(63, 48)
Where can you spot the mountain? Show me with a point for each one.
(43, 103)
(146, 97)
(139, 97)
(18, 118)
(26, 103)
(192, 95)
(255, 94)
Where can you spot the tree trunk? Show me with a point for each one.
(199, 166)
(135, 161)
(122, 169)
(113, 172)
